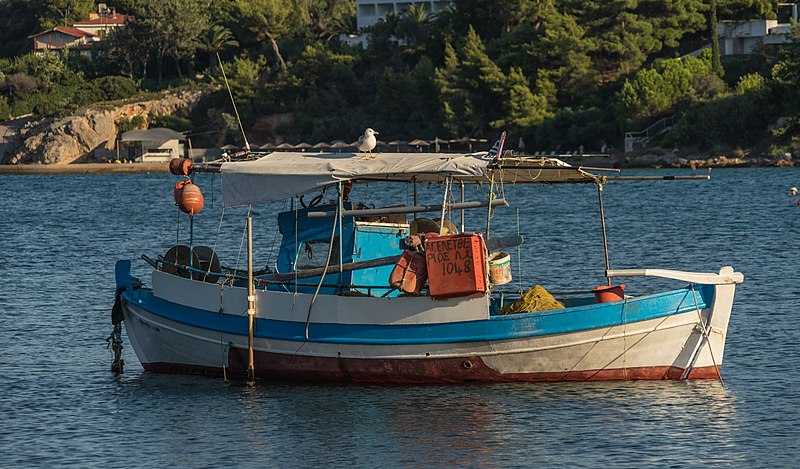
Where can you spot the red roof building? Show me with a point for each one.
(60, 38)
(103, 23)
(83, 36)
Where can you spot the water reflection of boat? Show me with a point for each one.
(329, 313)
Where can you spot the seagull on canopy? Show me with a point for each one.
(367, 141)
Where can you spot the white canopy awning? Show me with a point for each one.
(158, 134)
(281, 175)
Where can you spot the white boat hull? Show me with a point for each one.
(686, 342)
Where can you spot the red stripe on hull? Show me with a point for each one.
(270, 366)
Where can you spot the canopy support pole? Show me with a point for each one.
(603, 225)
(251, 303)
(447, 183)
(416, 196)
(341, 254)
(489, 210)
(462, 201)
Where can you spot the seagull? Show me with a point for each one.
(367, 141)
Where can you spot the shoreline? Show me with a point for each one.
(85, 168)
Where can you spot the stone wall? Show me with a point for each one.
(78, 136)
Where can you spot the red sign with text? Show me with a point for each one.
(456, 265)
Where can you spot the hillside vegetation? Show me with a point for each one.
(559, 74)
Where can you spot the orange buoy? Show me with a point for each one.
(191, 199)
(178, 190)
(180, 166)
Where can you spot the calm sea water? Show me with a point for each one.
(60, 406)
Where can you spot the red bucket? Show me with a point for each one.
(609, 293)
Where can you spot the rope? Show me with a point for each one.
(114, 342)
(178, 228)
(519, 246)
(216, 240)
(221, 343)
(322, 277)
(241, 243)
(296, 246)
(704, 331)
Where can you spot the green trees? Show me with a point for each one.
(215, 40)
(474, 91)
(45, 85)
(161, 30)
(568, 72)
(265, 20)
(655, 91)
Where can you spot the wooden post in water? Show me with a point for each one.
(251, 303)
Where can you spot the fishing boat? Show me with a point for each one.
(382, 295)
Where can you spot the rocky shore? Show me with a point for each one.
(85, 135)
(664, 158)
(79, 142)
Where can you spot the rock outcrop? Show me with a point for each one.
(83, 134)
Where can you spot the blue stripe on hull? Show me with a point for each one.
(497, 328)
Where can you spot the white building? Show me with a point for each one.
(103, 22)
(368, 12)
(744, 37)
(152, 145)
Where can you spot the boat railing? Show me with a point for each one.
(726, 275)
(233, 275)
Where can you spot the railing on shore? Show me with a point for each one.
(632, 139)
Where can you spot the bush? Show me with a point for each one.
(658, 90)
(19, 83)
(5, 109)
(114, 87)
(177, 123)
(134, 123)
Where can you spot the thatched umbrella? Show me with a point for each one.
(339, 145)
(419, 143)
(397, 144)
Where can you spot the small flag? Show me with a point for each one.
(497, 149)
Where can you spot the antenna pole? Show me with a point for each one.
(235, 111)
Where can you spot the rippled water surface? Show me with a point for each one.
(60, 406)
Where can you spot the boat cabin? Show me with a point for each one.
(306, 243)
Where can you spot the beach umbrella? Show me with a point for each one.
(419, 143)
(338, 145)
(397, 144)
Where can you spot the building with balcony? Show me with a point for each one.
(369, 12)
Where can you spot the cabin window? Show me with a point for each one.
(314, 254)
